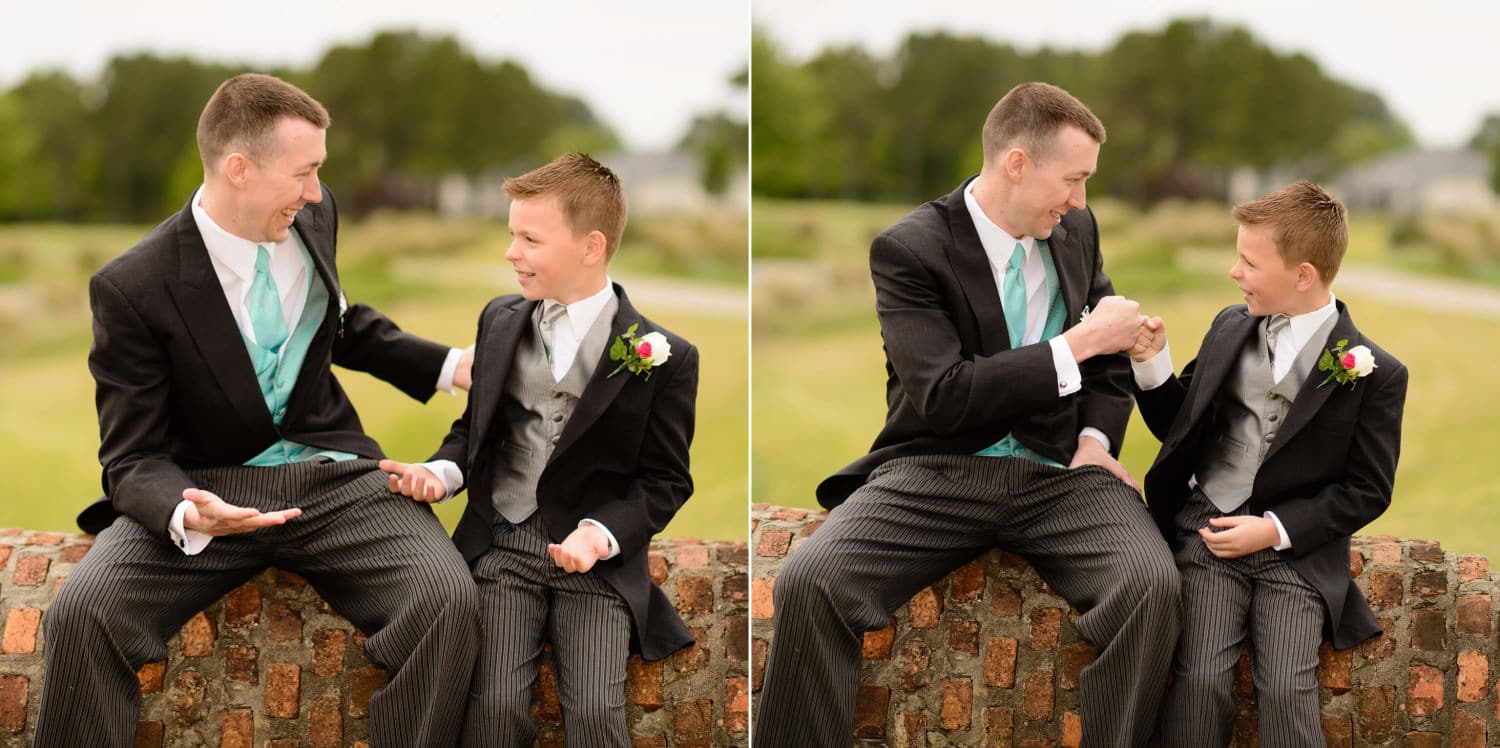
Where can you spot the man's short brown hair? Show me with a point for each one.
(243, 112)
(1308, 225)
(1030, 115)
(589, 194)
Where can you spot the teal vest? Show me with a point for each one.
(1009, 447)
(277, 370)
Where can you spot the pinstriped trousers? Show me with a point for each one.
(1086, 533)
(525, 598)
(1223, 600)
(381, 560)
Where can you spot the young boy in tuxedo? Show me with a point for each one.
(1278, 442)
(574, 450)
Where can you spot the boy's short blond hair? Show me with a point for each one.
(1308, 225)
(589, 194)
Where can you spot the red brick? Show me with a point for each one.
(916, 660)
(694, 657)
(31, 571)
(762, 607)
(1382, 646)
(5, 551)
(56, 585)
(1385, 589)
(958, 703)
(198, 636)
(13, 696)
(968, 583)
(926, 609)
(1429, 583)
(1468, 731)
(292, 579)
(282, 743)
(734, 554)
(911, 730)
(1356, 563)
(1075, 657)
(695, 595)
(547, 705)
(152, 676)
(1246, 731)
(328, 652)
(1338, 731)
(963, 636)
(999, 726)
(148, 734)
(878, 642)
(736, 638)
(1010, 560)
(1424, 691)
(325, 728)
(737, 704)
(812, 527)
(1000, 662)
(1244, 681)
(236, 728)
(1471, 568)
(242, 664)
(1473, 676)
(20, 631)
(758, 649)
(1473, 614)
(283, 688)
(653, 741)
(1426, 551)
(1333, 668)
(1037, 701)
(693, 723)
(188, 697)
(657, 564)
(692, 557)
(242, 607)
(286, 625)
(737, 587)
(1005, 601)
(1429, 630)
(774, 543)
(1386, 554)
(1046, 624)
(644, 684)
(869, 711)
(790, 514)
(71, 554)
(46, 538)
(1423, 740)
(1072, 730)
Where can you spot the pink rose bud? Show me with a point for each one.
(644, 350)
(1348, 361)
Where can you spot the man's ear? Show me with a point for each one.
(236, 167)
(1014, 161)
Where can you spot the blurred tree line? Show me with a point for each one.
(407, 109)
(1184, 106)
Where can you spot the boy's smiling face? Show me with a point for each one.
(551, 260)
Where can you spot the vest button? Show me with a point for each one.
(1273, 418)
(554, 438)
(557, 418)
(1270, 435)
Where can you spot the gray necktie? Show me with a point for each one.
(1274, 326)
(550, 317)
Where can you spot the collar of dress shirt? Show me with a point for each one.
(1304, 325)
(235, 253)
(582, 313)
(997, 243)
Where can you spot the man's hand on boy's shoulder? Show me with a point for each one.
(1239, 535)
(580, 550)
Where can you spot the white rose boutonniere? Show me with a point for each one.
(1346, 367)
(640, 355)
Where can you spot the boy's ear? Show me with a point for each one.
(1307, 276)
(597, 244)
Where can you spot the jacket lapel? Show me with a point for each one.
(501, 337)
(972, 268)
(1215, 363)
(602, 388)
(1072, 275)
(1311, 397)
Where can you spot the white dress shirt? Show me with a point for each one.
(998, 247)
(1155, 371)
(233, 260)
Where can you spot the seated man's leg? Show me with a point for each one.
(385, 562)
(1090, 537)
(898, 533)
(589, 627)
(1199, 709)
(1286, 618)
(114, 613)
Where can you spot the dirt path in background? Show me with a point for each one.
(1436, 294)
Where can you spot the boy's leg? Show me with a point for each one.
(589, 627)
(1286, 620)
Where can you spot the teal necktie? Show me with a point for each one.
(266, 319)
(1013, 296)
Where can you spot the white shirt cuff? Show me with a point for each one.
(1097, 434)
(1155, 371)
(614, 547)
(1069, 378)
(450, 364)
(1286, 542)
(447, 471)
(191, 542)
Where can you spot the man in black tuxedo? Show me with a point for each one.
(228, 445)
(1279, 441)
(574, 451)
(1004, 415)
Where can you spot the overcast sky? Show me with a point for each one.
(645, 67)
(1435, 63)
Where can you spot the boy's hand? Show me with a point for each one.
(1149, 341)
(1091, 452)
(1244, 536)
(463, 373)
(580, 550)
(414, 481)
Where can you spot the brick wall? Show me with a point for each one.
(272, 665)
(989, 656)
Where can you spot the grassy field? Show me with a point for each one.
(48, 428)
(818, 373)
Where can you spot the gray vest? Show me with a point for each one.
(1250, 410)
(534, 410)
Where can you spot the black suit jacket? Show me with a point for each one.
(175, 388)
(1327, 474)
(622, 459)
(953, 383)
